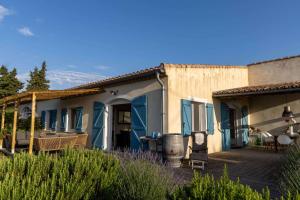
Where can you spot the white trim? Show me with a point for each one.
(196, 99)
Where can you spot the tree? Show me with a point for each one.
(9, 83)
(38, 81)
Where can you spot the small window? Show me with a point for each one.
(198, 117)
(76, 118)
(124, 117)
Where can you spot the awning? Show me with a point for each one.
(48, 95)
(280, 88)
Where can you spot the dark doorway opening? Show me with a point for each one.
(121, 126)
(233, 130)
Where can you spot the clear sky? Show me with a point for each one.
(85, 40)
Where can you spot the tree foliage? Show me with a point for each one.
(9, 83)
(38, 80)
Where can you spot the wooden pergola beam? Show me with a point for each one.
(14, 133)
(33, 108)
(3, 117)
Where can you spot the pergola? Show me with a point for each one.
(33, 97)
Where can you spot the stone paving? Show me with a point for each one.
(258, 169)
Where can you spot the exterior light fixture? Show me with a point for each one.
(114, 92)
(287, 113)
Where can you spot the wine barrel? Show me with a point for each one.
(173, 150)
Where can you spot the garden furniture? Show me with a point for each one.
(198, 150)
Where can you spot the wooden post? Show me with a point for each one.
(14, 133)
(3, 117)
(33, 105)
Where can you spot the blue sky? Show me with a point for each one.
(85, 40)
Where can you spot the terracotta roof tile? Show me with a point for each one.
(120, 78)
(273, 60)
(259, 89)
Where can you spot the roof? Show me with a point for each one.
(49, 94)
(259, 89)
(145, 73)
(133, 76)
(274, 60)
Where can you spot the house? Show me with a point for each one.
(181, 98)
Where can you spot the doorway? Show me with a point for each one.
(233, 127)
(121, 126)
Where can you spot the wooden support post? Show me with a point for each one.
(14, 133)
(3, 116)
(33, 106)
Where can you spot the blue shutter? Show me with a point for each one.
(186, 117)
(138, 122)
(43, 119)
(225, 127)
(63, 119)
(98, 125)
(78, 123)
(52, 124)
(210, 118)
(245, 128)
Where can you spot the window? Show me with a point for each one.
(124, 117)
(198, 117)
(76, 118)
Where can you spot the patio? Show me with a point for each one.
(258, 169)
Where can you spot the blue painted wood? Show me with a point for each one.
(139, 124)
(98, 125)
(43, 119)
(52, 120)
(186, 117)
(78, 122)
(210, 118)
(225, 127)
(63, 119)
(245, 125)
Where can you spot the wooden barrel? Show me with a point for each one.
(173, 150)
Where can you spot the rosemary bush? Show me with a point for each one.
(207, 188)
(72, 175)
(290, 179)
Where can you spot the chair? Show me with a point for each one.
(198, 150)
(284, 141)
(268, 139)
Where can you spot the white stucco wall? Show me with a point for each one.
(196, 82)
(126, 93)
(286, 70)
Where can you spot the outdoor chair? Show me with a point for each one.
(198, 150)
(268, 140)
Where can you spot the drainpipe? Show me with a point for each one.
(163, 112)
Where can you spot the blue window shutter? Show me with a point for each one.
(52, 124)
(139, 125)
(43, 119)
(63, 119)
(245, 124)
(98, 125)
(79, 113)
(225, 127)
(186, 117)
(210, 118)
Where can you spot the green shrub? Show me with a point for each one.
(143, 178)
(290, 179)
(207, 188)
(72, 175)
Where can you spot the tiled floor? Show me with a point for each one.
(258, 169)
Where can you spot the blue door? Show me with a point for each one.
(52, 120)
(78, 119)
(138, 122)
(43, 119)
(98, 125)
(225, 126)
(245, 129)
(186, 117)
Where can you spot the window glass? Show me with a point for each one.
(198, 117)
